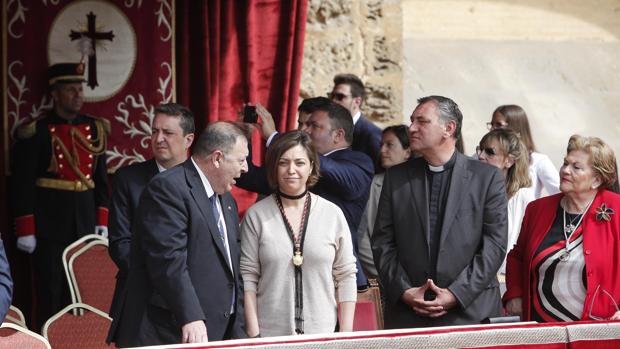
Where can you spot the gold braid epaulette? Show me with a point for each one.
(26, 130)
(87, 144)
(71, 159)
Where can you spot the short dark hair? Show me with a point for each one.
(401, 133)
(448, 111)
(221, 135)
(283, 143)
(357, 86)
(339, 117)
(180, 111)
(309, 105)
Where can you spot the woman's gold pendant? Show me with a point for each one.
(298, 259)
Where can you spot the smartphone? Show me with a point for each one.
(249, 114)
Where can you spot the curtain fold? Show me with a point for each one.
(234, 52)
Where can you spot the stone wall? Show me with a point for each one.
(359, 37)
(558, 59)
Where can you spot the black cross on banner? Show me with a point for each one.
(93, 35)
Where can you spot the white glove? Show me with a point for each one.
(27, 243)
(101, 230)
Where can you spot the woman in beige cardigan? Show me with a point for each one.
(297, 258)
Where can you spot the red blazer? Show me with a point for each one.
(601, 249)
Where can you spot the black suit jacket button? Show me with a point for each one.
(226, 314)
(231, 285)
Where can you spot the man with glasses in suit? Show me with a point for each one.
(350, 93)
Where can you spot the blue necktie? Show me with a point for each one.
(220, 228)
(218, 220)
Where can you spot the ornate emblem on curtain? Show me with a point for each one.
(128, 50)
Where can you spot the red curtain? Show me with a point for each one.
(232, 52)
(4, 142)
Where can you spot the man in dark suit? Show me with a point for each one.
(345, 174)
(441, 228)
(184, 284)
(350, 93)
(255, 180)
(172, 135)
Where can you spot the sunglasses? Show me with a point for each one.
(600, 290)
(487, 150)
(337, 96)
(495, 125)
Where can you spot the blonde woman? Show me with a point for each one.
(503, 149)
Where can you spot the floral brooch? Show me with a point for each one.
(604, 213)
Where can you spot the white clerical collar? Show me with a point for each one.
(447, 165)
(435, 168)
(205, 181)
(356, 117)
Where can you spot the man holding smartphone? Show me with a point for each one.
(345, 174)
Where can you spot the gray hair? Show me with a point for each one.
(448, 111)
(221, 135)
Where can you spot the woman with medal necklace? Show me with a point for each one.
(564, 266)
(297, 257)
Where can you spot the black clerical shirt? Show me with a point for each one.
(438, 186)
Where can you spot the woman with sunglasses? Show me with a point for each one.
(564, 266)
(503, 149)
(543, 173)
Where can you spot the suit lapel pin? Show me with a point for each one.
(604, 213)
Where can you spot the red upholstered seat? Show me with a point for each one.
(66, 330)
(365, 316)
(93, 273)
(15, 316)
(14, 336)
(69, 252)
(368, 313)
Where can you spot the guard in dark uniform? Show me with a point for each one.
(61, 187)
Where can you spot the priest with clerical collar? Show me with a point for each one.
(441, 228)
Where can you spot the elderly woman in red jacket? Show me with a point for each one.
(565, 265)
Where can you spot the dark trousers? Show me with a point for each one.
(52, 290)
